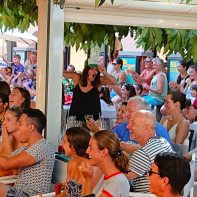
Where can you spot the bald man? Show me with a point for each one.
(142, 126)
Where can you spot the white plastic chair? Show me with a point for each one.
(189, 187)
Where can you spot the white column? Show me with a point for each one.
(50, 61)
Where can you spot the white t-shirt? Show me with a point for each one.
(116, 185)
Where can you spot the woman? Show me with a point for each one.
(19, 97)
(175, 122)
(147, 74)
(169, 174)
(182, 69)
(123, 94)
(9, 143)
(104, 152)
(86, 92)
(10, 122)
(186, 89)
(118, 74)
(159, 85)
(75, 143)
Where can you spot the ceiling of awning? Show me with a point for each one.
(148, 13)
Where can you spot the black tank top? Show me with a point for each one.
(85, 103)
(179, 79)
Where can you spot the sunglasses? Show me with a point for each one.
(150, 172)
(114, 64)
(146, 61)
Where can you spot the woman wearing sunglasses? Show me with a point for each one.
(118, 74)
(168, 175)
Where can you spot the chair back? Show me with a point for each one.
(188, 189)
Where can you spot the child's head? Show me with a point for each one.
(76, 141)
(194, 90)
(138, 89)
(9, 71)
(121, 114)
(16, 59)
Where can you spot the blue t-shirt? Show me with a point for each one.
(17, 68)
(124, 134)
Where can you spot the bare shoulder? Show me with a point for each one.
(185, 123)
(163, 120)
(72, 164)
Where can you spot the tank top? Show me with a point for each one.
(179, 79)
(153, 85)
(85, 103)
(172, 132)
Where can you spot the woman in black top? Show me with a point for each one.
(86, 92)
(182, 68)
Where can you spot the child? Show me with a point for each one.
(18, 69)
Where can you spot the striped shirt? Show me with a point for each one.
(142, 160)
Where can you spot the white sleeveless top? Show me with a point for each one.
(172, 132)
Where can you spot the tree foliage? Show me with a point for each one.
(85, 36)
(18, 13)
(172, 40)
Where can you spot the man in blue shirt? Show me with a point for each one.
(134, 104)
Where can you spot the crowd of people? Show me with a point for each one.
(18, 75)
(135, 154)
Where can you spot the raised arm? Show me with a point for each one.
(106, 79)
(72, 75)
(117, 89)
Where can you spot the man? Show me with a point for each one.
(35, 161)
(168, 175)
(142, 126)
(134, 104)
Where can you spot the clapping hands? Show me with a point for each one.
(102, 69)
(86, 170)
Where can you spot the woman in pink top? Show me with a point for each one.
(147, 74)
